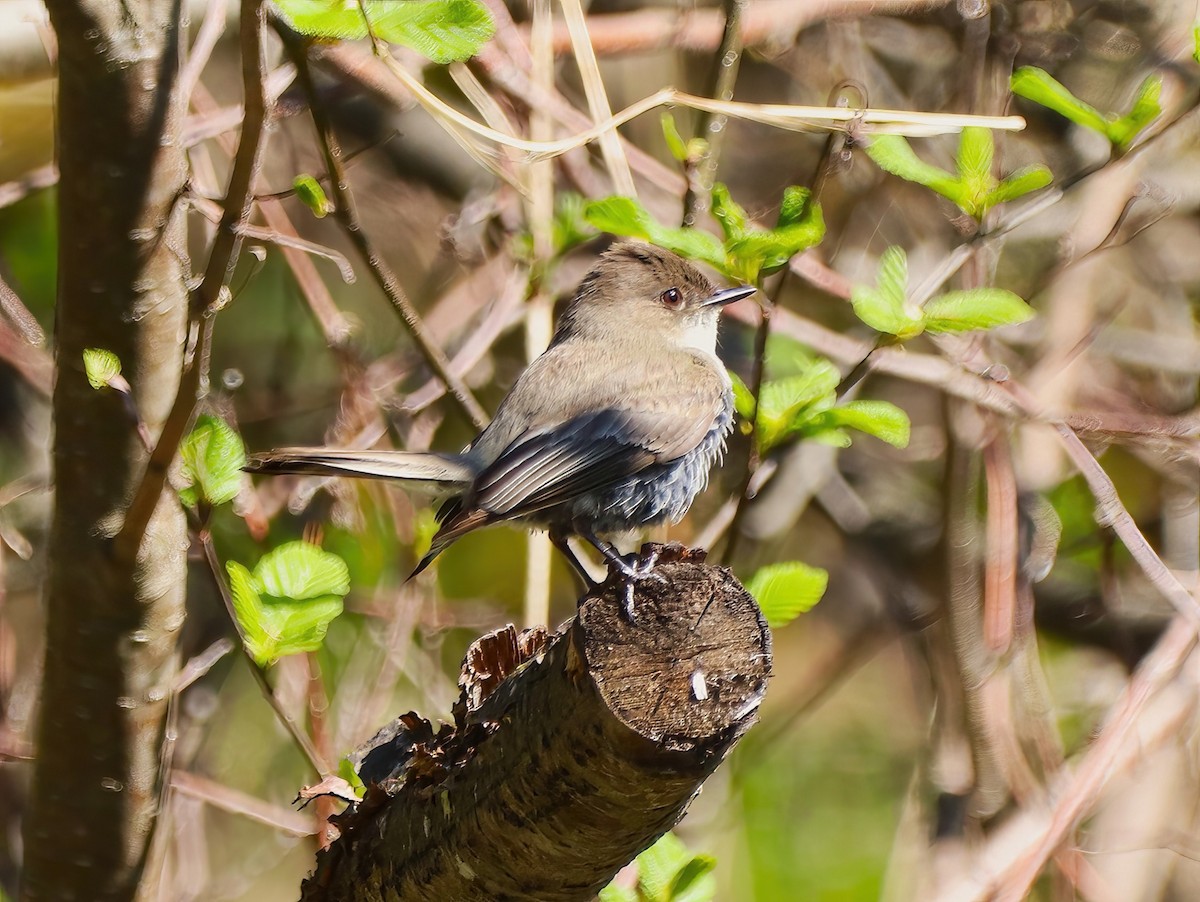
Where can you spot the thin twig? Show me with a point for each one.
(302, 740)
(221, 263)
(347, 216)
(712, 124)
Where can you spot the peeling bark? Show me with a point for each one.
(569, 754)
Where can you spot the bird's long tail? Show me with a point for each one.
(416, 466)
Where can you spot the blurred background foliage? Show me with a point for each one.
(841, 792)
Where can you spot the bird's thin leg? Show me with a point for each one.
(630, 573)
(559, 540)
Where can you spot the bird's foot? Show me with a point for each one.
(632, 569)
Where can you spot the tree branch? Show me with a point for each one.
(569, 754)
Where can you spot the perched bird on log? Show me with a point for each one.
(613, 428)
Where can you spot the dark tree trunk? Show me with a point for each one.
(569, 754)
(112, 618)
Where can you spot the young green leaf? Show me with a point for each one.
(793, 207)
(212, 458)
(100, 366)
(980, 308)
(1018, 184)
(743, 398)
(881, 419)
(299, 571)
(347, 772)
(1039, 86)
(885, 308)
(626, 216)
(675, 142)
(728, 212)
(615, 893)
(312, 195)
(763, 252)
(443, 31)
(787, 404)
(286, 605)
(784, 591)
(1146, 108)
(693, 882)
(893, 154)
(569, 228)
(658, 865)
(974, 161)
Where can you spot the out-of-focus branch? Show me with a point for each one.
(767, 22)
(222, 261)
(347, 216)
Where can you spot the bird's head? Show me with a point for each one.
(641, 293)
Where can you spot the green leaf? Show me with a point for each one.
(885, 308)
(784, 591)
(626, 216)
(743, 398)
(248, 608)
(974, 162)
(675, 142)
(100, 366)
(658, 865)
(444, 31)
(285, 607)
(893, 154)
(312, 195)
(347, 772)
(1196, 43)
(1018, 184)
(1146, 108)
(763, 252)
(212, 458)
(980, 308)
(892, 280)
(1037, 85)
(690, 884)
(569, 228)
(300, 571)
(785, 405)
(793, 207)
(615, 893)
(881, 419)
(728, 212)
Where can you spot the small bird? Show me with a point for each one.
(614, 427)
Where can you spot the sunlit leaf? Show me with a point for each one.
(1039, 86)
(793, 208)
(1146, 108)
(212, 457)
(786, 405)
(675, 142)
(693, 882)
(974, 162)
(626, 216)
(444, 31)
(286, 605)
(784, 591)
(300, 571)
(1018, 184)
(980, 308)
(658, 865)
(893, 154)
(881, 419)
(100, 366)
(728, 212)
(885, 308)
(743, 398)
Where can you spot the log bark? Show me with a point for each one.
(569, 753)
(112, 619)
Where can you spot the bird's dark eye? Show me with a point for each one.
(671, 297)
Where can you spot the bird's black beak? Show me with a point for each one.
(729, 295)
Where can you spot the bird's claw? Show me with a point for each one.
(633, 568)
